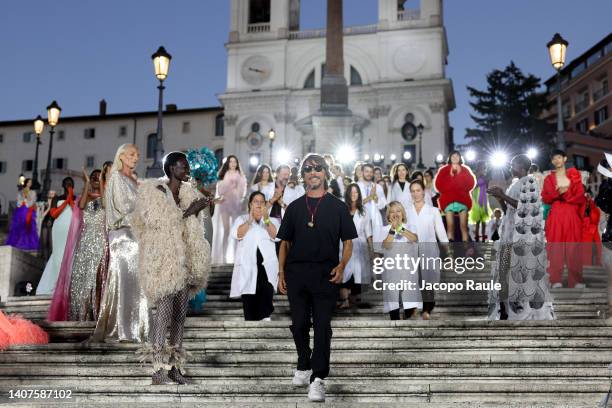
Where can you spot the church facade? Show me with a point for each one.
(395, 70)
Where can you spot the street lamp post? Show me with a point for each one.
(161, 62)
(39, 125)
(272, 137)
(420, 129)
(53, 114)
(557, 48)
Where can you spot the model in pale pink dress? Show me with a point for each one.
(231, 189)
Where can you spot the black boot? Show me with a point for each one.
(176, 376)
(161, 378)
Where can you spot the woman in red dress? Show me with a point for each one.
(564, 192)
(455, 182)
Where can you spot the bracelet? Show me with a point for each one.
(267, 221)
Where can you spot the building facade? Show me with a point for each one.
(395, 70)
(587, 104)
(89, 141)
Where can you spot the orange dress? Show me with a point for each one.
(17, 331)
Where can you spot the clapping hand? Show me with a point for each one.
(85, 176)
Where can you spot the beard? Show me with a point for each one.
(314, 183)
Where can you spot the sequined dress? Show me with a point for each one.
(124, 312)
(87, 257)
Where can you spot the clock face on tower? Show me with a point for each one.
(256, 70)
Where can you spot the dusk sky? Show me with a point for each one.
(79, 52)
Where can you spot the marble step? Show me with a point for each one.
(383, 390)
(16, 372)
(382, 358)
(396, 344)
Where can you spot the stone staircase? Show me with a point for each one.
(456, 359)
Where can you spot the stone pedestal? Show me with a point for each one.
(17, 266)
(332, 131)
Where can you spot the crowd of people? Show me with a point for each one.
(126, 246)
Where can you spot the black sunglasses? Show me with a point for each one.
(309, 169)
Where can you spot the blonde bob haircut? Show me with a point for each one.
(117, 163)
(396, 204)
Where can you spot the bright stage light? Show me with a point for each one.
(439, 158)
(393, 157)
(499, 159)
(254, 161)
(346, 154)
(283, 156)
(470, 155)
(366, 157)
(407, 155)
(532, 153)
(377, 157)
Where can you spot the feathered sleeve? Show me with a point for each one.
(441, 179)
(470, 178)
(148, 213)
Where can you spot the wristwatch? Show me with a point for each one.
(391, 231)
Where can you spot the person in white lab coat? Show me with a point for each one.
(357, 271)
(400, 189)
(255, 275)
(429, 226)
(399, 239)
(373, 196)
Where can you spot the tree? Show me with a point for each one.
(508, 113)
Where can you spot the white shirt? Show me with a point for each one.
(428, 222)
(373, 207)
(403, 196)
(268, 190)
(244, 276)
(292, 194)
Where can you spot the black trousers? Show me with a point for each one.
(311, 295)
(259, 306)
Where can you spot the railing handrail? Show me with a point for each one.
(408, 14)
(319, 33)
(258, 28)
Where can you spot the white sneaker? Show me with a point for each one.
(557, 285)
(302, 378)
(316, 391)
(579, 286)
(266, 319)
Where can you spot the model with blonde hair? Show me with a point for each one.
(123, 289)
(397, 239)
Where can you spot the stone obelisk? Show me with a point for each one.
(333, 124)
(334, 90)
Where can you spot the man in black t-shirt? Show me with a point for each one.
(310, 271)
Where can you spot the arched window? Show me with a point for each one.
(219, 157)
(151, 143)
(355, 77)
(219, 125)
(309, 83)
(259, 11)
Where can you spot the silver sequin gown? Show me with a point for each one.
(87, 257)
(124, 312)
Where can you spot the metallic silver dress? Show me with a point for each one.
(124, 312)
(87, 257)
